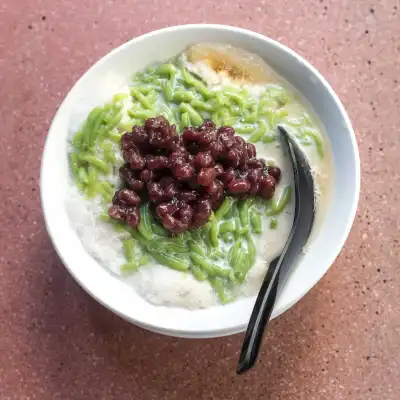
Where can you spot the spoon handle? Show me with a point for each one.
(280, 267)
(259, 318)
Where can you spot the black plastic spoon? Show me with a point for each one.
(280, 267)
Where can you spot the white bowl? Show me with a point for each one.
(117, 67)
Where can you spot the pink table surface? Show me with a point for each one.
(342, 341)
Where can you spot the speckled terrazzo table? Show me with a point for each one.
(342, 341)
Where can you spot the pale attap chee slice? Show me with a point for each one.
(238, 64)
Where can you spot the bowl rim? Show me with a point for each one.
(339, 244)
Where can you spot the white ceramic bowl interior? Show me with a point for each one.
(98, 83)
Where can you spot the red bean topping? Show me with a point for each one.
(186, 177)
(219, 169)
(226, 140)
(166, 208)
(254, 188)
(183, 171)
(267, 186)
(129, 197)
(186, 195)
(127, 141)
(239, 186)
(139, 135)
(166, 180)
(156, 162)
(171, 190)
(206, 176)
(239, 141)
(275, 172)
(217, 194)
(116, 212)
(147, 175)
(130, 178)
(251, 150)
(212, 188)
(191, 134)
(134, 159)
(201, 214)
(254, 175)
(234, 157)
(207, 124)
(254, 163)
(155, 192)
(161, 134)
(174, 157)
(174, 225)
(207, 136)
(203, 160)
(125, 207)
(216, 149)
(185, 213)
(227, 130)
(133, 216)
(228, 175)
